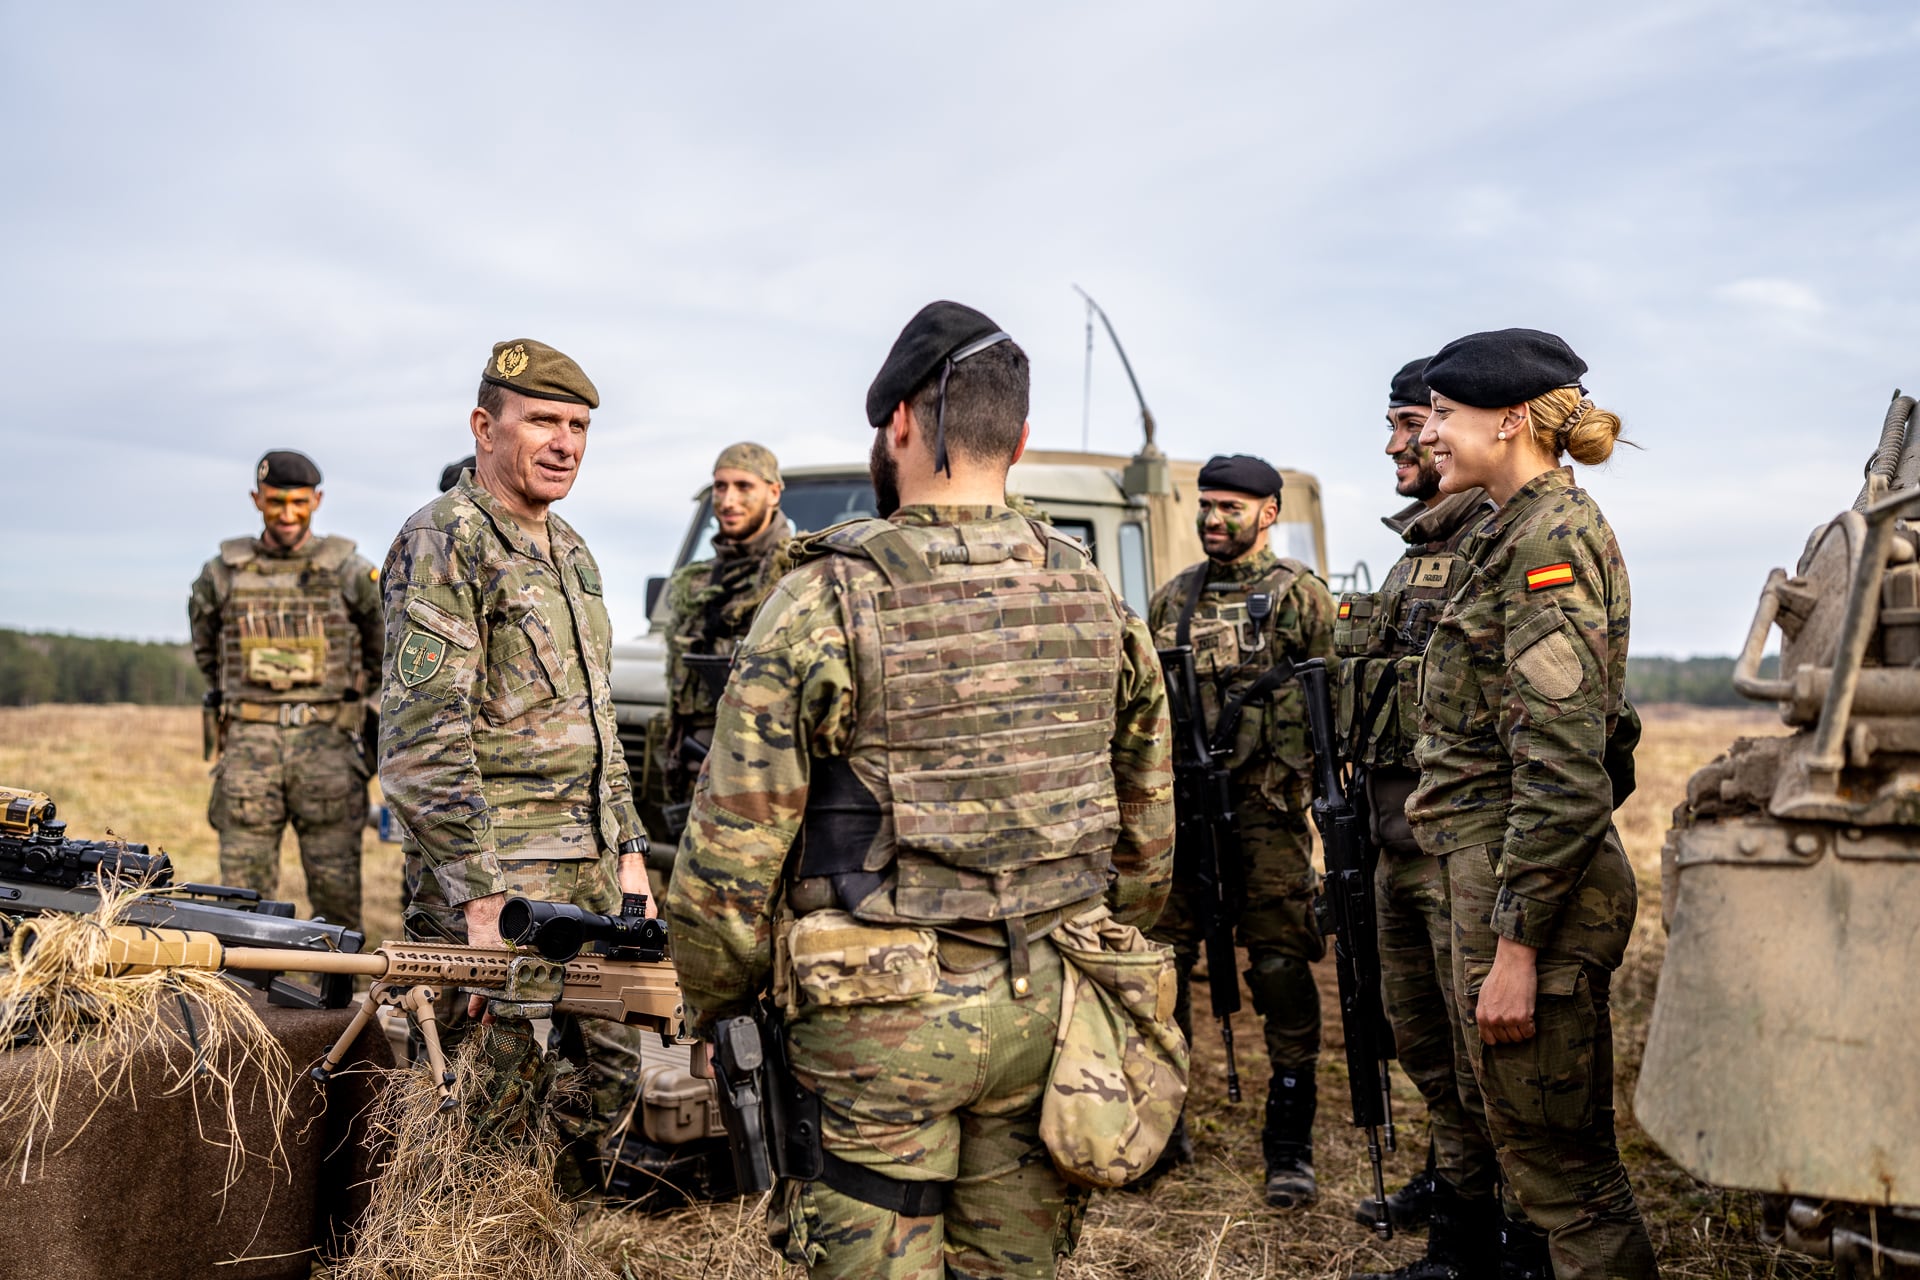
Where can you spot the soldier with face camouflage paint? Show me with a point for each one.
(939, 772)
(498, 748)
(286, 629)
(1246, 609)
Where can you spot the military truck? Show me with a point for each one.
(1784, 1051)
(1135, 514)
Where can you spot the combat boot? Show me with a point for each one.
(1408, 1207)
(1461, 1240)
(1287, 1140)
(1179, 1151)
(1523, 1251)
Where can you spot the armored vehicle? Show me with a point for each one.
(1135, 514)
(1784, 1051)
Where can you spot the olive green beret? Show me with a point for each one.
(536, 369)
(754, 459)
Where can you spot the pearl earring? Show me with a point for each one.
(1503, 435)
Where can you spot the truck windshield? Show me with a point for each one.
(810, 504)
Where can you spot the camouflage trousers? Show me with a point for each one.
(941, 1086)
(607, 1053)
(312, 775)
(1549, 1099)
(1276, 927)
(1414, 914)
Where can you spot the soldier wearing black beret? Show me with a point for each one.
(1526, 750)
(286, 629)
(1242, 609)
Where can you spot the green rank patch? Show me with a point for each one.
(589, 577)
(420, 656)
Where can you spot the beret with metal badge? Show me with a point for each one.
(939, 336)
(285, 469)
(536, 369)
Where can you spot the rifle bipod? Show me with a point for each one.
(382, 999)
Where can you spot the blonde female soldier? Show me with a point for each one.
(1526, 750)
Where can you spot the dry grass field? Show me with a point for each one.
(137, 772)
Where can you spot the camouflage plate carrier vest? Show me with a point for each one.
(285, 634)
(986, 668)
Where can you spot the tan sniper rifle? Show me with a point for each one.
(631, 984)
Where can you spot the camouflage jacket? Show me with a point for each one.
(710, 604)
(353, 626)
(795, 701)
(1523, 683)
(497, 736)
(1379, 635)
(1271, 752)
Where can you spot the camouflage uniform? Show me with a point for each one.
(1272, 786)
(711, 604)
(498, 748)
(290, 640)
(943, 734)
(1379, 636)
(1523, 692)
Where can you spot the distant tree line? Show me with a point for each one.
(1703, 682)
(37, 667)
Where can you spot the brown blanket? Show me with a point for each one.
(137, 1194)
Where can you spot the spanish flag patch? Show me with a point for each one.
(1346, 608)
(1549, 575)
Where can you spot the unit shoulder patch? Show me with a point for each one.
(421, 654)
(1550, 575)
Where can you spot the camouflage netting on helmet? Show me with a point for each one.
(472, 1191)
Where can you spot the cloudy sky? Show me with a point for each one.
(229, 228)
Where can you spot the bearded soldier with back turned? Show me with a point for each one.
(286, 629)
(944, 776)
(498, 747)
(1379, 636)
(711, 604)
(1244, 609)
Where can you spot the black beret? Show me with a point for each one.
(1408, 387)
(939, 330)
(285, 469)
(450, 474)
(1242, 473)
(1503, 367)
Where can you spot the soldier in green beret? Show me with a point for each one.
(498, 747)
(286, 629)
(711, 604)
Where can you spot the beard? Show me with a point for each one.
(1424, 484)
(1239, 542)
(885, 474)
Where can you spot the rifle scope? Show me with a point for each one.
(559, 931)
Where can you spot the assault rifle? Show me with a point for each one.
(1345, 910)
(43, 870)
(1207, 859)
(410, 975)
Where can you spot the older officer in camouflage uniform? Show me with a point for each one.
(944, 734)
(1379, 637)
(286, 629)
(712, 603)
(1525, 752)
(1246, 608)
(498, 747)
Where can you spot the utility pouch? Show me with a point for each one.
(1119, 1077)
(837, 960)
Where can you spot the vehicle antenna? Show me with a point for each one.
(1086, 384)
(1146, 414)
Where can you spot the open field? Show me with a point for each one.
(136, 771)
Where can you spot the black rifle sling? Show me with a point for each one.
(1229, 726)
(1375, 705)
(1183, 629)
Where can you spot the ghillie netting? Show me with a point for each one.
(91, 1036)
(470, 1191)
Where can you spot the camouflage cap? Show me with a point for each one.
(754, 459)
(536, 369)
(285, 469)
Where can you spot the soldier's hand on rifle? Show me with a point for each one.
(483, 930)
(1505, 1011)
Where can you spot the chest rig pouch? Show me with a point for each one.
(284, 624)
(993, 726)
(1380, 637)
